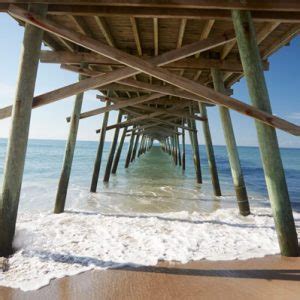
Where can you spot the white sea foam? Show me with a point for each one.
(52, 246)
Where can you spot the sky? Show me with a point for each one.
(49, 122)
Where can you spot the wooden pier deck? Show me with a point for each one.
(271, 277)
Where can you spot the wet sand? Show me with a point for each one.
(271, 277)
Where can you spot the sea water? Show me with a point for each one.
(149, 212)
(151, 184)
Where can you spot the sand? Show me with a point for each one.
(272, 277)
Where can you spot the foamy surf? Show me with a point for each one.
(52, 246)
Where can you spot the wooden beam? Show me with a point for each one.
(105, 30)
(206, 31)
(181, 33)
(155, 35)
(65, 57)
(136, 35)
(162, 74)
(177, 12)
(266, 5)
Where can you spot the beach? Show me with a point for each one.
(272, 277)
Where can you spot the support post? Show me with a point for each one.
(63, 184)
(137, 139)
(119, 151)
(195, 146)
(128, 157)
(20, 123)
(98, 160)
(141, 146)
(210, 152)
(233, 155)
(267, 138)
(183, 146)
(112, 150)
(178, 148)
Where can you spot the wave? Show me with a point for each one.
(52, 246)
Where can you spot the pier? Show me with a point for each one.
(162, 65)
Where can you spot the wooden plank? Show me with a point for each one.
(268, 5)
(206, 31)
(177, 12)
(66, 57)
(136, 35)
(181, 33)
(149, 68)
(105, 30)
(155, 35)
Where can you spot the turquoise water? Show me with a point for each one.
(151, 184)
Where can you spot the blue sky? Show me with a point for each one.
(48, 122)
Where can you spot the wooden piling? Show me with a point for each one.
(233, 155)
(178, 149)
(210, 151)
(112, 150)
(140, 152)
(195, 147)
(267, 138)
(20, 123)
(98, 160)
(183, 147)
(136, 143)
(63, 184)
(129, 153)
(119, 151)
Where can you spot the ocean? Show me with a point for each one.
(151, 184)
(150, 212)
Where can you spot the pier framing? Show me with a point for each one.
(163, 74)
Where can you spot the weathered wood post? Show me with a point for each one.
(63, 184)
(178, 149)
(140, 152)
(195, 147)
(233, 155)
(17, 144)
(98, 160)
(112, 150)
(128, 157)
(267, 138)
(169, 145)
(183, 146)
(119, 151)
(137, 139)
(210, 151)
